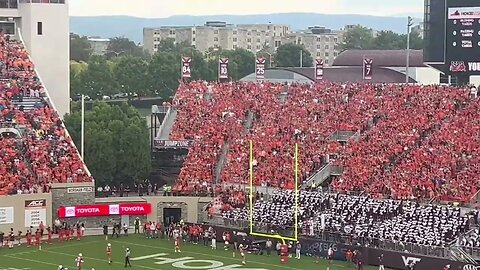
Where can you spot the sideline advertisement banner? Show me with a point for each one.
(105, 210)
(400, 260)
(6, 215)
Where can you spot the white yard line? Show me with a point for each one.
(101, 260)
(49, 247)
(215, 256)
(35, 261)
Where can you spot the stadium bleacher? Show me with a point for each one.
(44, 153)
(402, 131)
(359, 217)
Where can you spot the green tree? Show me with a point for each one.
(164, 73)
(117, 148)
(98, 79)
(242, 62)
(288, 55)
(123, 46)
(131, 73)
(269, 57)
(358, 37)
(387, 40)
(78, 67)
(416, 41)
(75, 83)
(80, 48)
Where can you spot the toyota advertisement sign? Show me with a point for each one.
(105, 210)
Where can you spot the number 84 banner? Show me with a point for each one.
(186, 67)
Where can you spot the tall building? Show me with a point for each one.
(43, 25)
(253, 37)
(99, 45)
(319, 41)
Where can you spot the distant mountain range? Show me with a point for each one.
(132, 27)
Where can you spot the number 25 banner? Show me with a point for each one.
(260, 68)
(186, 67)
(223, 68)
(367, 68)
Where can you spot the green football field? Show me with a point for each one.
(147, 254)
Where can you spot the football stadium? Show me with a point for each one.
(368, 159)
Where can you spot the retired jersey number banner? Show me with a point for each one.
(186, 67)
(223, 68)
(260, 68)
(318, 69)
(105, 210)
(367, 68)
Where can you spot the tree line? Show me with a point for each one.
(126, 68)
(363, 38)
(117, 146)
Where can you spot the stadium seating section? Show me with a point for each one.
(413, 141)
(359, 216)
(44, 153)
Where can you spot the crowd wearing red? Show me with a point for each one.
(414, 141)
(44, 154)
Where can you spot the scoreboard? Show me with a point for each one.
(462, 37)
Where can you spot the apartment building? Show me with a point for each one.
(99, 45)
(252, 37)
(319, 41)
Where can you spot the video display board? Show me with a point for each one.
(462, 37)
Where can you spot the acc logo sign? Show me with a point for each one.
(35, 203)
(470, 267)
(408, 260)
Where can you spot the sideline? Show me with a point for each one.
(36, 261)
(101, 260)
(215, 256)
(50, 247)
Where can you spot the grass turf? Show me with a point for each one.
(93, 250)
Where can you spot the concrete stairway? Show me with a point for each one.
(167, 124)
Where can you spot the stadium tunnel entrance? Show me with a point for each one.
(171, 215)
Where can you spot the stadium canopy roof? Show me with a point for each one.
(333, 74)
(381, 58)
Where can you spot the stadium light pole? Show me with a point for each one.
(409, 24)
(82, 144)
(301, 57)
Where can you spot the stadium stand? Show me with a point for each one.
(359, 217)
(400, 130)
(44, 153)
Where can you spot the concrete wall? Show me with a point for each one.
(50, 51)
(192, 207)
(18, 202)
(427, 75)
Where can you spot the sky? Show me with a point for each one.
(166, 8)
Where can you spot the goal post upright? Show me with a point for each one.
(296, 190)
(296, 195)
(250, 197)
